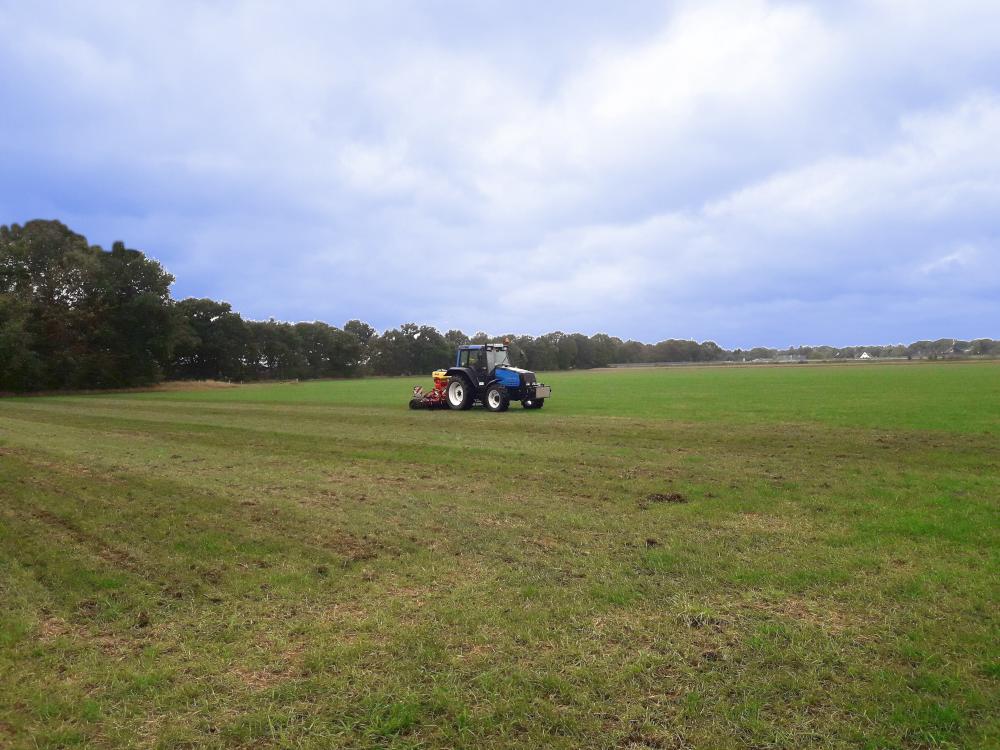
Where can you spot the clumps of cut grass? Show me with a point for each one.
(699, 619)
(662, 497)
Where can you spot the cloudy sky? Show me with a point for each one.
(752, 172)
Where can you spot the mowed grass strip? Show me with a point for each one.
(315, 565)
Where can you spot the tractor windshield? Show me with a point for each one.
(499, 358)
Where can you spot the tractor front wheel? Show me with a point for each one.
(533, 403)
(459, 394)
(497, 398)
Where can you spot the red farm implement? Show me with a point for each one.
(436, 398)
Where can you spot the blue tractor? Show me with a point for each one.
(483, 372)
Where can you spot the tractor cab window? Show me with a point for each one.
(499, 358)
(474, 358)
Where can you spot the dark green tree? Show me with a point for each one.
(214, 343)
(603, 348)
(328, 352)
(456, 338)
(276, 351)
(410, 350)
(566, 350)
(20, 366)
(92, 319)
(126, 321)
(367, 338)
(543, 352)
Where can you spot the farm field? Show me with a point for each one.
(766, 557)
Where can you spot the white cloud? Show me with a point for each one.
(840, 223)
(956, 260)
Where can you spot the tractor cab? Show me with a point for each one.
(482, 358)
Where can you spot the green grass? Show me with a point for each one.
(314, 565)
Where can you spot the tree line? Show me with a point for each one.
(76, 316)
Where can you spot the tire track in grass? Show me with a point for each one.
(118, 557)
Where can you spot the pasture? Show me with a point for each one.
(769, 557)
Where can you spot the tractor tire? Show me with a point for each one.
(496, 398)
(529, 403)
(460, 395)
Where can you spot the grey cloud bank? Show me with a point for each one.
(765, 173)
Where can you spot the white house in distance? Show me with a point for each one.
(864, 355)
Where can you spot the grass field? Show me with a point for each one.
(767, 557)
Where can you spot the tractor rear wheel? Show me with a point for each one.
(497, 398)
(459, 394)
(529, 403)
